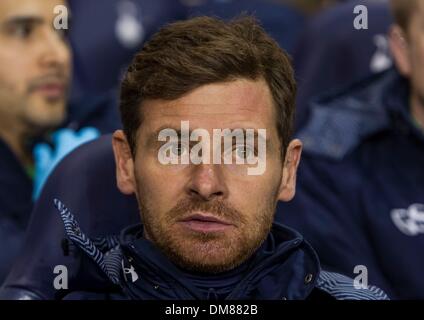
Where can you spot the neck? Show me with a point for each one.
(417, 110)
(15, 137)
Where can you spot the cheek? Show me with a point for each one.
(10, 82)
(44, 113)
(14, 71)
(269, 182)
(12, 98)
(255, 193)
(157, 186)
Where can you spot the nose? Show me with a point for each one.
(207, 182)
(55, 52)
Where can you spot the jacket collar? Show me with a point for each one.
(285, 266)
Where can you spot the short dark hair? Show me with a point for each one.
(185, 55)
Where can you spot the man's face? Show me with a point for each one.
(34, 64)
(207, 217)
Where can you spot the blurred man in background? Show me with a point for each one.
(35, 66)
(360, 199)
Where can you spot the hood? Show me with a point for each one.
(341, 120)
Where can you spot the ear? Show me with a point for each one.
(124, 162)
(291, 163)
(400, 50)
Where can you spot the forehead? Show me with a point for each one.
(240, 103)
(44, 9)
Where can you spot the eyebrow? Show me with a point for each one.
(153, 137)
(244, 130)
(22, 20)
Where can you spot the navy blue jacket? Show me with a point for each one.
(284, 267)
(360, 189)
(16, 185)
(15, 207)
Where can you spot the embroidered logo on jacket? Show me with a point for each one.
(410, 221)
(130, 271)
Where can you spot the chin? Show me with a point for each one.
(209, 257)
(47, 117)
(213, 264)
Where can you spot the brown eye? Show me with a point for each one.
(243, 152)
(22, 31)
(178, 149)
